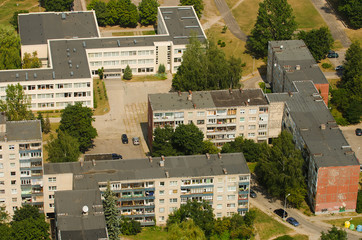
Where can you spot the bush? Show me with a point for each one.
(326, 65)
(127, 73)
(161, 69)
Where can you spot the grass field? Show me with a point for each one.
(252, 166)
(354, 35)
(145, 78)
(267, 227)
(340, 222)
(150, 32)
(148, 233)
(8, 7)
(122, 33)
(100, 95)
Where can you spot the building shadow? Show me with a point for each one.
(144, 129)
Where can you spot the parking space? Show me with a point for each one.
(354, 141)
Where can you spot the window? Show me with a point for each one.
(162, 192)
(162, 210)
(172, 209)
(1, 165)
(14, 199)
(230, 205)
(52, 179)
(241, 127)
(262, 126)
(2, 200)
(251, 134)
(111, 54)
(219, 197)
(232, 179)
(161, 219)
(199, 122)
(1, 174)
(173, 183)
(11, 147)
(25, 182)
(2, 191)
(242, 119)
(51, 196)
(162, 183)
(52, 188)
(242, 111)
(2, 182)
(252, 119)
(162, 201)
(220, 180)
(93, 55)
(145, 52)
(14, 191)
(262, 133)
(251, 127)
(189, 114)
(219, 189)
(13, 173)
(199, 114)
(1, 148)
(173, 200)
(174, 191)
(231, 188)
(13, 182)
(51, 205)
(252, 111)
(219, 206)
(12, 165)
(231, 197)
(12, 156)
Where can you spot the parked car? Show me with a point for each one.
(333, 55)
(292, 221)
(340, 68)
(252, 193)
(136, 141)
(331, 51)
(124, 138)
(116, 156)
(280, 213)
(358, 131)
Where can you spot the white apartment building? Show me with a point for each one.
(71, 50)
(21, 167)
(222, 115)
(151, 189)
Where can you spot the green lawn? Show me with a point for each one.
(148, 233)
(267, 227)
(340, 222)
(122, 33)
(100, 95)
(252, 166)
(150, 32)
(8, 7)
(145, 78)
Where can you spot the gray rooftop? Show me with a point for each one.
(294, 52)
(88, 175)
(37, 28)
(72, 223)
(309, 113)
(206, 99)
(22, 131)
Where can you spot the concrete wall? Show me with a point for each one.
(276, 110)
(41, 49)
(324, 91)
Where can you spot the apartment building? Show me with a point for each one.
(71, 50)
(290, 61)
(221, 115)
(21, 166)
(150, 189)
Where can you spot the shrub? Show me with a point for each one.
(161, 69)
(326, 65)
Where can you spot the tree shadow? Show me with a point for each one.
(144, 129)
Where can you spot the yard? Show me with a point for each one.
(8, 7)
(101, 104)
(340, 222)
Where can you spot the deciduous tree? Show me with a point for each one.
(58, 5)
(64, 148)
(9, 49)
(187, 139)
(128, 15)
(111, 213)
(198, 6)
(17, 104)
(352, 11)
(47, 125)
(185, 230)
(334, 234)
(31, 61)
(161, 144)
(129, 226)
(209, 147)
(100, 8)
(76, 120)
(275, 22)
(148, 12)
(14, 19)
(252, 151)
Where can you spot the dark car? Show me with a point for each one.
(340, 68)
(358, 131)
(116, 156)
(281, 213)
(331, 51)
(292, 221)
(333, 55)
(124, 138)
(252, 193)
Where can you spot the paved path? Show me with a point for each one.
(80, 5)
(229, 19)
(334, 24)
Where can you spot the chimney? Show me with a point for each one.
(194, 106)
(81, 163)
(241, 90)
(179, 93)
(230, 91)
(248, 101)
(225, 171)
(167, 175)
(5, 138)
(297, 67)
(219, 155)
(150, 159)
(281, 46)
(93, 162)
(207, 155)
(189, 97)
(290, 94)
(323, 126)
(162, 162)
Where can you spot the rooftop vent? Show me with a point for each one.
(118, 43)
(297, 67)
(84, 44)
(134, 41)
(53, 75)
(17, 75)
(68, 49)
(68, 54)
(85, 210)
(74, 50)
(219, 155)
(189, 97)
(63, 16)
(150, 159)
(323, 126)
(290, 94)
(72, 73)
(26, 76)
(194, 106)
(207, 155)
(69, 61)
(77, 66)
(162, 163)
(35, 75)
(70, 65)
(230, 91)
(167, 174)
(281, 46)
(93, 162)
(225, 171)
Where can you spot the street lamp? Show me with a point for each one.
(285, 204)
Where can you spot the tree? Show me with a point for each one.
(127, 73)
(209, 147)
(4, 216)
(185, 230)
(198, 6)
(359, 202)
(187, 139)
(280, 170)
(42, 123)
(200, 212)
(318, 41)
(31, 61)
(65, 148)
(128, 15)
(47, 125)
(58, 5)
(26, 212)
(14, 19)
(334, 234)
(9, 49)
(148, 12)
(111, 213)
(77, 120)
(17, 104)
(101, 73)
(161, 69)
(352, 11)
(275, 22)
(161, 144)
(129, 226)
(114, 11)
(100, 8)
(252, 151)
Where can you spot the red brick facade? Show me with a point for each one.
(324, 90)
(337, 188)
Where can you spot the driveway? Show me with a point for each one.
(354, 141)
(128, 114)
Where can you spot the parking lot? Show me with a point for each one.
(354, 141)
(128, 114)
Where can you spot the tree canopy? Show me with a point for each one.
(58, 5)
(76, 120)
(64, 148)
(14, 19)
(318, 41)
(352, 11)
(100, 8)
(148, 12)
(280, 170)
(359, 202)
(185, 230)
(111, 213)
(205, 67)
(127, 73)
(161, 144)
(334, 234)
(31, 61)
(198, 6)
(129, 226)
(275, 22)
(17, 104)
(252, 151)
(9, 49)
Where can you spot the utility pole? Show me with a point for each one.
(285, 204)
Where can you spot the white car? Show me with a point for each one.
(136, 141)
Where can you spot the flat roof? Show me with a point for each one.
(37, 28)
(72, 222)
(88, 175)
(309, 112)
(293, 53)
(22, 131)
(207, 99)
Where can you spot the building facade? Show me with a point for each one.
(21, 168)
(221, 115)
(151, 189)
